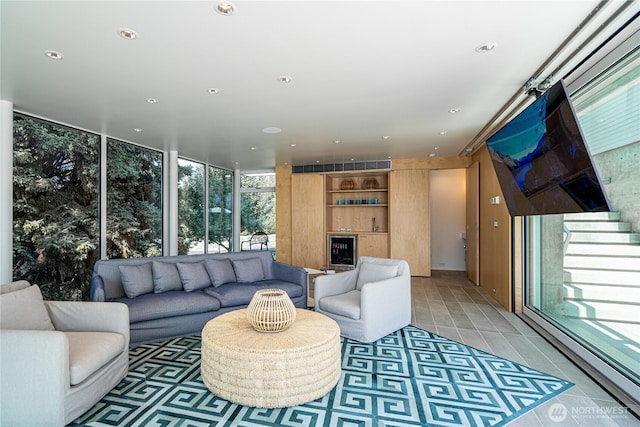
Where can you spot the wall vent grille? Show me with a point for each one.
(341, 167)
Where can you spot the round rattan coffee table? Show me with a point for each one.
(270, 370)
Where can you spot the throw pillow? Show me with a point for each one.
(372, 272)
(24, 309)
(220, 271)
(165, 277)
(248, 270)
(137, 279)
(194, 276)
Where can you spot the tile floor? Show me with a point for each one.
(451, 306)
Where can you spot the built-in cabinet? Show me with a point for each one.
(307, 221)
(409, 220)
(373, 244)
(346, 203)
(357, 203)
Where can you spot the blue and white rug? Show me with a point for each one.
(409, 378)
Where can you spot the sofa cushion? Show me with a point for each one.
(248, 270)
(292, 289)
(24, 309)
(372, 272)
(220, 271)
(168, 304)
(194, 276)
(347, 305)
(165, 277)
(137, 279)
(238, 294)
(90, 351)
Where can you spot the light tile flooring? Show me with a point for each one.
(453, 307)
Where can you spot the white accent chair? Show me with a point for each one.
(57, 358)
(368, 302)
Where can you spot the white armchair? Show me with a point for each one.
(57, 358)
(368, 302)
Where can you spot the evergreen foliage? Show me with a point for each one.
(134, 201)
(55, 207)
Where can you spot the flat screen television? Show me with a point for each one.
(542, 162)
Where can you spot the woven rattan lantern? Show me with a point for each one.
(271, 310)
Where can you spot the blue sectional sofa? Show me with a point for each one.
(174, 296)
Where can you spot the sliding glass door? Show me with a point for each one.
(583, 270)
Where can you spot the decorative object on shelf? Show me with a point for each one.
(370, 184)
(348, 184)
(271, 310)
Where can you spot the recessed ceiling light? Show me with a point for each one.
(469, 150)
(152, 100)
(487, 47)
(293, 145)
(317, 161)
(352, 159)
(128, 34)
(432, 154)
(225, 8)
(253, 148)
(284, 79)
(213, 91)
(137, 130)
(53, 54)
(271, 130)
(386, 137)
(455, 110)
(444, 132)
(336, 141)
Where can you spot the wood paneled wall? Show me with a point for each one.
(495, 241)
(494, 244)
(283, 214)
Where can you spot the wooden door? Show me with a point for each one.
(409, 223)
(472, 253)
(307, 220)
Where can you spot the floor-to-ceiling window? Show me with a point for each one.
(56, 233)
(57, 207)
(134, 201)
(220, 184)
(258, 206)
(205, 208)
(191, 207)
(584, 269)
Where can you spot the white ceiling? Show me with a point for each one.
(359, 70)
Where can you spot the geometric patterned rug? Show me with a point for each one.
(408, 378)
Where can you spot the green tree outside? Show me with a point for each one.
(55, 207)
(257, 208)
(134, 201)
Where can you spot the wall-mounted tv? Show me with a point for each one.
(542, 162)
